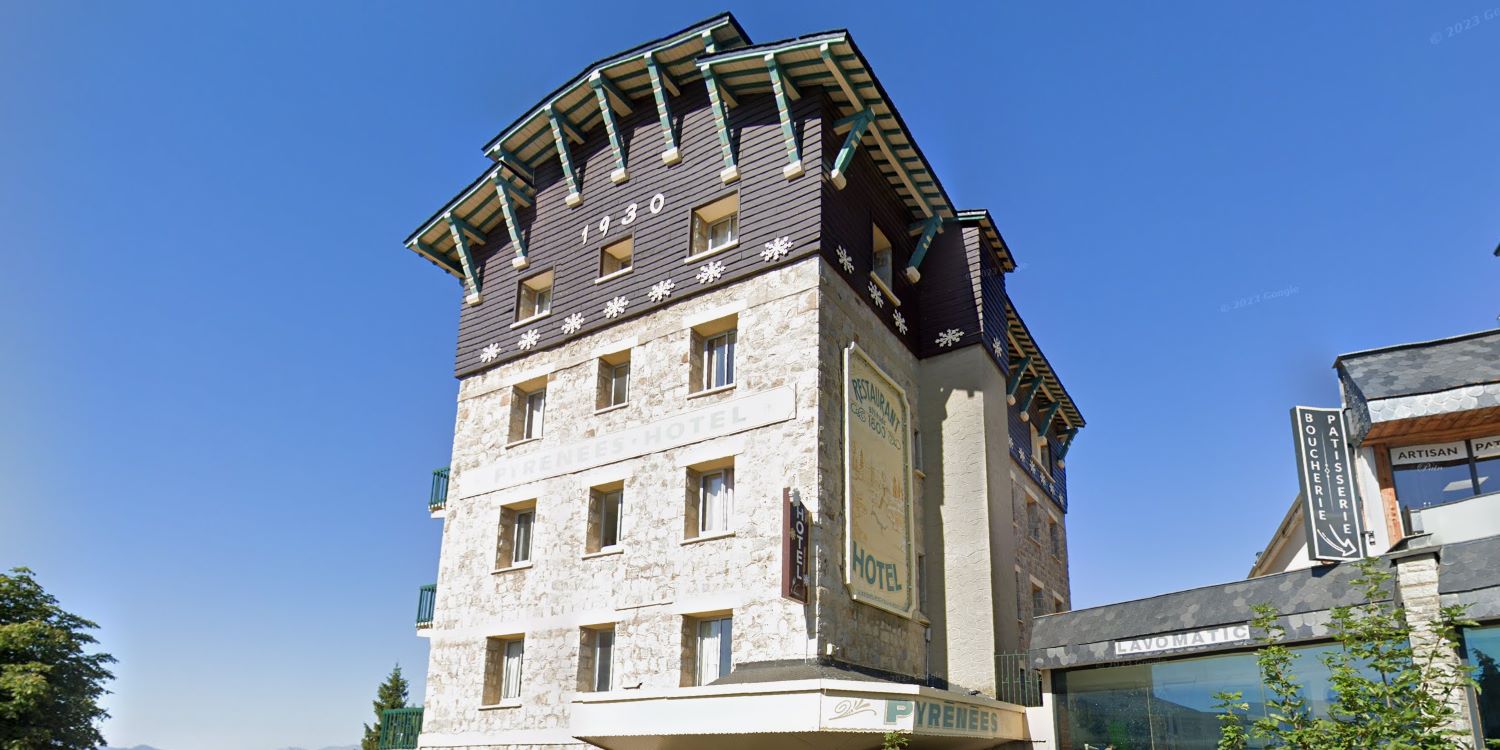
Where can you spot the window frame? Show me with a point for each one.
(534, 420)
(877, 252)
(524, 523)
(709, 360)
(610, 500)
(603, 660)
(604, 254)
(699, 214)
(544, 294)
(726, 477)
(722, 640)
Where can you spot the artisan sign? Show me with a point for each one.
(879, 545)
(796, 531)
(724, 418)
(1335, 529)
(1190, 639)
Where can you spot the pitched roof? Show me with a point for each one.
(1425, 366)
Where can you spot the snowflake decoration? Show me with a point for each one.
(949, 337)
(844, 259)
(876, 295)
(900, 320)
(528, 340)
(711, 272)
(615, 307)
(572, 323)
(776, 249)
(661, 290)
(490, 353)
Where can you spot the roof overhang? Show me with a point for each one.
(849, 714)
(987, 227)
(1026, 347)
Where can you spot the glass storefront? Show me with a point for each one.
(1482, 647)
(1439, 473)
(1170, 705)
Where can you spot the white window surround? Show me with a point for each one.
(710, 253)
(886, 290)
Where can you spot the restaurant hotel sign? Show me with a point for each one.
(877, 487)
(1334, 525)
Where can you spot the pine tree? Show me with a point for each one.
(391, 694)
(49, 687)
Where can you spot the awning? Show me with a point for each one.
(832, 714)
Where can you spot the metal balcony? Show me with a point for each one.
(399, 728)
(426, 603)
(438, 498)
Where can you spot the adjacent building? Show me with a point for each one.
(752, 445)
(1423, 422)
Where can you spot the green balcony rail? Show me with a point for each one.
(438, 499)
(1016, 680)
(426, 602)
(399, 728)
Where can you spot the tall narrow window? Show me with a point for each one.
(521, 545)
(536, 409)
(614, 380)
(604, 659)
(619, 384)
(606, 511)
(515, 656)
(1054, 533)
(715, 500)
(1033, 520)
(1038, 601)
(718, 360)
(534, 298)
(503, 664)
(616, 257)
(716, 225)
(881, 263)
(715, 639)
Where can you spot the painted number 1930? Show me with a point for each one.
(658, 202)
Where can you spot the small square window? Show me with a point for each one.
(614, 380)
(534, 297)
(504, 662)
(616, 257)
(528, 410)
(716, 225)
(881, 263)
(1038, 601)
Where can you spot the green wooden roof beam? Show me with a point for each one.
(1067, 441)
(1017, 369)
(515, 163)
(858, 102)
(1036, 385)
(475, 290)
(857, 123)
(574, 197)
(731, 171)
(785, 94)
(509, 197)
(604, 91)
(930, 229)
(442, 260)
(661, 85)
(1047, 417)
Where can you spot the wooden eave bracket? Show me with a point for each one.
(433, 256)
(462, 231)
(1047, 417)
(562, 130)
(661, 85)
(1017, 369)
(609, 97)
(857, 123)
(1067, 441)
(930, 229)
(509, 199)
(785, 93)
(1025, 404)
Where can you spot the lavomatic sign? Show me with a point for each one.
(877, 487)
(1335, 529)
(1190, 639)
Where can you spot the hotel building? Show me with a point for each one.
(752, 446)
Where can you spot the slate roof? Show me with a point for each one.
(1425, 367)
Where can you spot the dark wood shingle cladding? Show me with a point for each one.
(771, 207)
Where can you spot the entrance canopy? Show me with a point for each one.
(824, 714)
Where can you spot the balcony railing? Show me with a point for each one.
(1016, 681)
(438, 499)
(399, 728)
(426, 602)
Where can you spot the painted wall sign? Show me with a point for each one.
(1190, 639)
(797, 532)
(878, 535)
(627, 217)
(1407, 455)
(724, 418)
(918, 714)
(1334, 522)
(1486, 447)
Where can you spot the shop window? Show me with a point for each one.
(1439, 473)
(534, 298)
(716, 225)
(1482, 650)
(504, 661)
(616, 257)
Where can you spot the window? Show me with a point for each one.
(606, 508)
(503, 663)
(1439, 473)
(1482, 650)
(528, 410)
(1038, 600)
(517, 527)
(1054, 533)
(616, 257)
(713, 640)
(1040, 450)
(1033, 520)
(536, 410)
(596, 659)
(1057, 604)
(916, 450)
(715, 499)
(716, 225)
(712, 363)
(614, 380)
(922, 582)
(881, 263)
(534, 298)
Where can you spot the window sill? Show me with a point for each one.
(886, 290)
(615, 275)
(507, 703)
(711, 253)
(511, 569)
(530, 320)
(920, 474)
(712, 391)
(522, 441)
(606, 552)
(709, 537)
(608, 409)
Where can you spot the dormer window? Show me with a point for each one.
(534, 298)
(716, 226)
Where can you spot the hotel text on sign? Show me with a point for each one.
(877, 480)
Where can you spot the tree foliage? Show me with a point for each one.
(1387, 695)
(390, 694)
(49, 686)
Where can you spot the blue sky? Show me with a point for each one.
(224, 381)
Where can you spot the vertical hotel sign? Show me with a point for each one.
(1334, 522)
(878, 543)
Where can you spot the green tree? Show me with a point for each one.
(1386, 695)
(894, 741)
(391, 694)
(49, 686)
